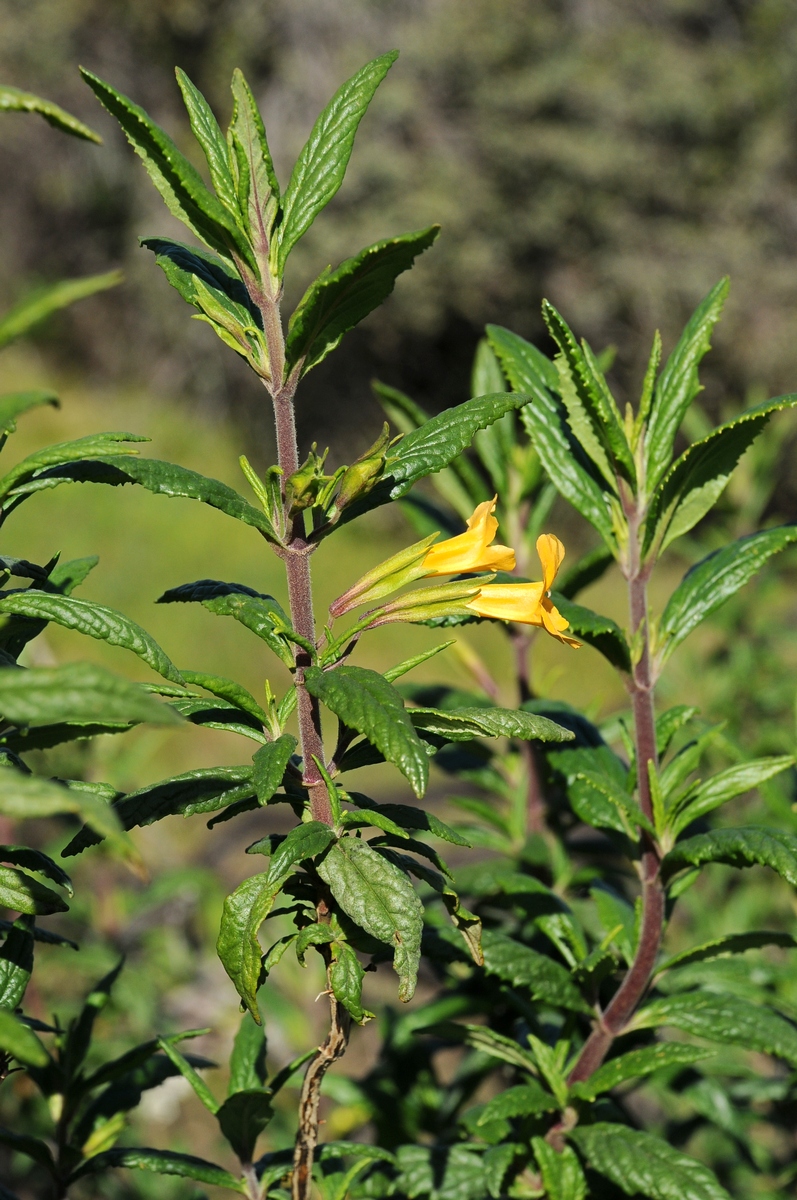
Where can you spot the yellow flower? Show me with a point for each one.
(528, 603)
(471, 551)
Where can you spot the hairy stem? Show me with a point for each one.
(307, 1134)
(629, 995)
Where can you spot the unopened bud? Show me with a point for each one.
(364, 474)
(303, 486)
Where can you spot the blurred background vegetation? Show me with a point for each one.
(617, 156)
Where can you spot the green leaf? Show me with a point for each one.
(162, 1162)
(604, 634)
(426, 450)
(24, 479)
(190, 1074)
(561, 1171)
(227, 689)
(248, 1058)
(312, 935)
(14, 404)
(96, 621)
(463, 724)
(322, 163)
(695, 482)
(669, 722)
(304, 841)
(363, 700)
(36, 860)
(379, 898)
(23, 894)
(41, 303)
(31, 1147)
(270, 762)
(742, 847)
(723, 786)
(480, 1037)
(257, 186)
(14, 100)
(26, 796)
(338, 300)
(546, 425)
(16, 963)
(620, 798)
(523, 967)
(593, 398)
(409, 664)
(636, 1064)
(525, 1100)
(524, 365)
(20, 1042)
(724, 1019)
(202, 791)
(346, 980)
(240, 952)
(260, 613)
(409, 817)
(644, 1165)
(242, 1118)
(678, 384)
(77, 692)
(206, 130)
(733, 943)
(715, 579)
(178, 182)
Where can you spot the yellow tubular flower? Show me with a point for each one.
(471, 551)
(528, 603)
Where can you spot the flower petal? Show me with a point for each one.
(471, 551)
(509, 602)
(551, 552)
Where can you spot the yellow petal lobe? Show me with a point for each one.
(471, 551)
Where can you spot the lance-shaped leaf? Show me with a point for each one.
(227, 689)
(524, 1100)
(604, 634)
(733, 943)
(240, 952)
(182, 265)
(24, 894)
(95, 620)
(243, 1117)
(723, 786)
(269, 764)
(560, 1170)
(641, 1164)
(20, 1042)
(523, 967)
(96, 445)
(26, 796)
(220, 714)
(695, 482)
(77, 692)
(205, 129)
(637, 1064)
(592, 410)
(743, 847)
(363, 700)
(162, 1162)
(480, 1037)
(14, 100)
(260, 613)
(426, 450)
(178, 182)
(346, 976)
(31, 1147)
(16, 962)
(202, 791)
(715, 579)
(305, 841)
(338, 300)
(526, 367)
(36, 860)
(14, 404)
(410, 817)
(41, 303)
(322, 163)
(678, 384)
(164, 479)
(463, 724)
(256, 182)
(725, 1019)
(565, 464)
(379, 897)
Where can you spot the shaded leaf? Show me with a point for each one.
(604, 634)
(523, 967)
(642, 1164)
(256, 611)
(725, 1019)
(242, 1118)
(162, 1162)
(742, 847)
(636, 1064)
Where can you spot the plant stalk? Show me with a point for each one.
(629, 995)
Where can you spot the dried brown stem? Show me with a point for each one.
(307, 1134)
